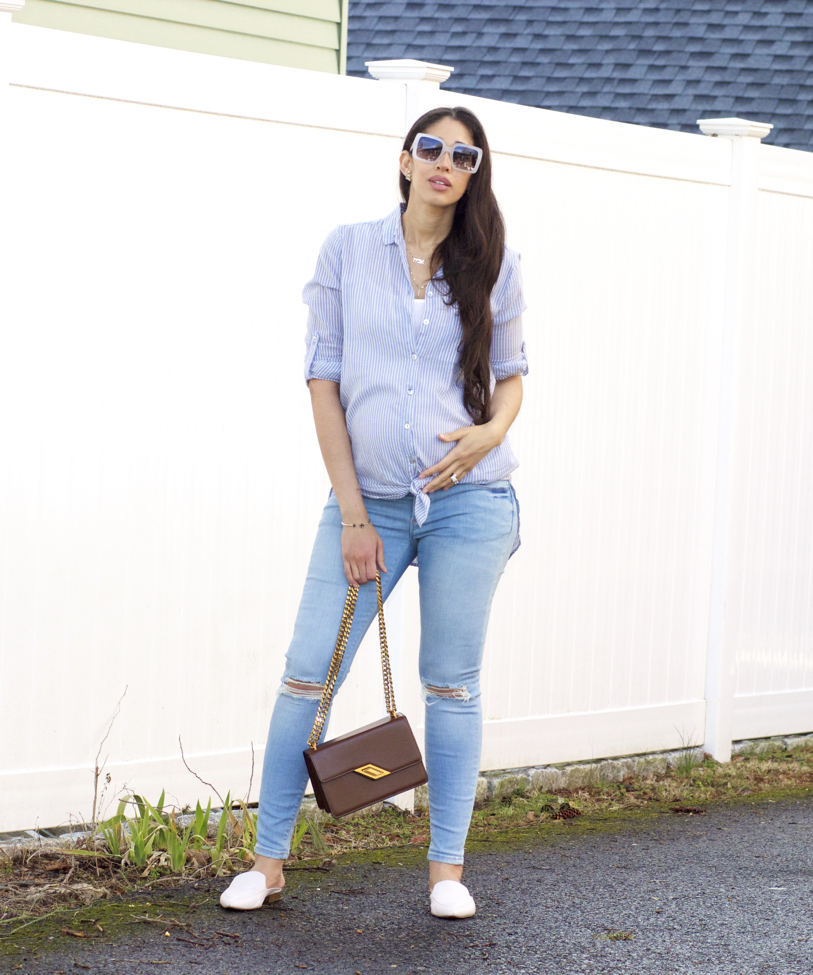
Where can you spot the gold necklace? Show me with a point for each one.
(416, 260)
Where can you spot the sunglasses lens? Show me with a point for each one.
(465, 158)
(428, 149)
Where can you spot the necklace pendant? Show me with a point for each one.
(417, 260)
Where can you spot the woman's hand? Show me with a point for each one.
(362, 552)
(473, 443)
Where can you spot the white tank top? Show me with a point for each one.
(418, 306)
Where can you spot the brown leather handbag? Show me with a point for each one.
(377, 761)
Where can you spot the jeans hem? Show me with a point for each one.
(274, 855)
(456, 861)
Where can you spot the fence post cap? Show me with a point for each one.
(729, 127)
(408, 69)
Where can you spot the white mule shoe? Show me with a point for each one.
(247, 892)
(449, 898)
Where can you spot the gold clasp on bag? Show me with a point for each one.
(372, 771)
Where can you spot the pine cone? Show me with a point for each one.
(566, 811)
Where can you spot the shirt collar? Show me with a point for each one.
(392, 232)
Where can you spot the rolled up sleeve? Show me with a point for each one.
(325, 331)
(507, 305)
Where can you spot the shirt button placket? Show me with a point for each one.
(408, 425)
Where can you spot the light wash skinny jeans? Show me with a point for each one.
(462, 549)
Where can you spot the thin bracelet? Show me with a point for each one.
(361, 524)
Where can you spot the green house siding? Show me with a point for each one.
(295, 33)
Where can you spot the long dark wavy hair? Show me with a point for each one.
(471, 257)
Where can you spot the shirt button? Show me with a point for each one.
(412, 460)
(410, 391)
(414, 356)
(406, 426)
(426, 321)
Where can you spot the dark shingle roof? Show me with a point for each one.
(663, 63)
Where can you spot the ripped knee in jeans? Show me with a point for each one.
(443, 692)
(302, 688)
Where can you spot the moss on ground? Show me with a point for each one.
(108, 920)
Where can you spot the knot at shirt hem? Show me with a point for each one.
(422, 501)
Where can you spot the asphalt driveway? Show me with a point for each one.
(655, 894)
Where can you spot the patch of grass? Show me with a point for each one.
(315, 838)
(688, 757)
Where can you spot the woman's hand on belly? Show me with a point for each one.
(473, 443)
(362, 552)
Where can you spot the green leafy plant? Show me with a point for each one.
(140, 837)
(247, 827)
(317, 837)
(200, 831)
(155, 816)
(299, 834)
(177, 843)
(113, 832)
(153, 838)
(220, 835)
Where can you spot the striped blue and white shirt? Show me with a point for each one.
(400, 384)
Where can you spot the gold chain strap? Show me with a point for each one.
(338, 654)
(335, 663)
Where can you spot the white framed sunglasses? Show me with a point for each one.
(430, 148)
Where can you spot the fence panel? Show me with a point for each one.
(772, 573)
(160, 481)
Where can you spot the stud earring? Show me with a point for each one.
(408, 177)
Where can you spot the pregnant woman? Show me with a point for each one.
(414, 364)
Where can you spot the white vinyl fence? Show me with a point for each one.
(160, 481)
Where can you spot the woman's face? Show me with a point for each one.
(436, 183)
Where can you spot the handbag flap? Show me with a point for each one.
(387, 744)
